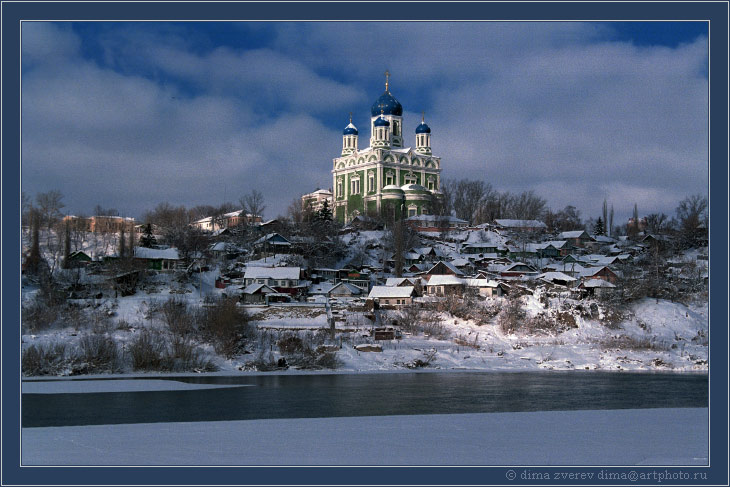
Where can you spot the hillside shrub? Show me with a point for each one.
(512, 316)
(184, 356)
(147, 351)
(44, 359)
(226, 327)
(178, 317)
(301, 354)
(38, 316)
(97, 354)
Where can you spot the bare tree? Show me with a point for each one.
(633, 228)
(692, 219)
(122, 244)
(656, 222)
(467, 196)
(253, 204)
(101, 211)
(399, 247)
(524, 206)
(568, 219)
(166, 216)
(32, 262)
(296, 211)
(49, 207)
(66, 245)
(25, 206)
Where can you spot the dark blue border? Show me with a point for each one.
(12, 13)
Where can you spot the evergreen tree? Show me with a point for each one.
(148, 239)
(325, 213)
(598, 227)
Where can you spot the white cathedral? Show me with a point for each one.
(386, 178)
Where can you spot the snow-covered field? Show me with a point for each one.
(609, 437)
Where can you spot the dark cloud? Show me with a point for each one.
(163, 113)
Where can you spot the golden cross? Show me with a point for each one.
(387, 75)
(350, 117)
(423, 117)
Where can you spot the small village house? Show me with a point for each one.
(158, 259)
(279, 278)
(444, 285)
(392, 296)
(576, 238)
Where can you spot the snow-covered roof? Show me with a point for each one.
(391, 292)
(507, 223)
(509, 267)
(397, 281)
(593, 283)
(555, 276)
(147, 253)
(460, 262)
(603, 239)
(481, 283)
(350, 287)
(270, 236)
(449, 265)
(572, 234)
(592, 271)
(558, 244)
(321, 288)
(571, 267)
(254, 288)
(291, 273)
(444, 280)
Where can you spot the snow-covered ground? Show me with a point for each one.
(608, 437)
(658, 335)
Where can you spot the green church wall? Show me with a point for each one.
(372, 207)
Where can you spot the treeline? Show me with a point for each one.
(478, 202)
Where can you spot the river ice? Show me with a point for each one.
(587, 437)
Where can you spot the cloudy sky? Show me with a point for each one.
(127, 115)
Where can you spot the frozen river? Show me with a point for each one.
(350, 395)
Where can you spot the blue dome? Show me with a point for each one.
(350, 130)
(386, 104)
(381, 122)
(423, 128)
